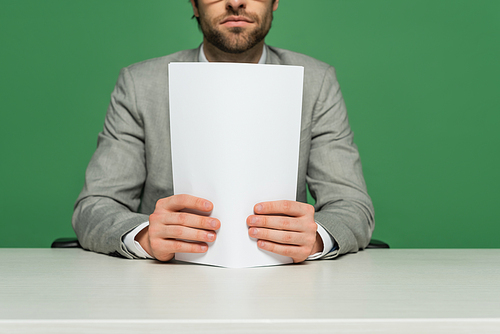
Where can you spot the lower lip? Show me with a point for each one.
(236, 24)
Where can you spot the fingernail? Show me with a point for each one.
(261, 243)
(254, 220)
(204, 248)
(258, 208)
(253, 231)
(213, 223)
(210, 236)
(207, 205)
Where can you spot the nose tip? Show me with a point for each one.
(235, 4)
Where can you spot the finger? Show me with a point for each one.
(191, 220)
(184, 201)
(164, 249)
(289, 208)
(297, 253)
(281, 237)
(186, 233)
(282, 223)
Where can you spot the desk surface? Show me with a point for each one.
(389, 291)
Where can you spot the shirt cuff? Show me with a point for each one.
(328, 243)
(133, 246)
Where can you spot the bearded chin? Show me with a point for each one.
(236, 41)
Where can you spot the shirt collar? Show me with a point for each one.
(203, 58)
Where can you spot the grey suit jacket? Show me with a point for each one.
(132, 168)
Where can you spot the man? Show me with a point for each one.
(127, 206)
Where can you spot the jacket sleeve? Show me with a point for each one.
(334, 174)
(106, 208)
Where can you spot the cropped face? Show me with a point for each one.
(235, 26)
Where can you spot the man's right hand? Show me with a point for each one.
(168, 223)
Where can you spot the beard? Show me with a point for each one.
(236, 39)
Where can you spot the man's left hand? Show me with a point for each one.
(286, 228)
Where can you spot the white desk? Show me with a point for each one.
(374, 291)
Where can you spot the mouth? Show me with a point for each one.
(236, 21)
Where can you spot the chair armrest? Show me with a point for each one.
(374, 243)
(66, 243)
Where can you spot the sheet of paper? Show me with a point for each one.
(235, 132)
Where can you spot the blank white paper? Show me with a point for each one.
(235, 134)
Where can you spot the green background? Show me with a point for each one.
(421, 81)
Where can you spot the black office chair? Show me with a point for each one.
(66, 243)
(374, 244)
(73, 243)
